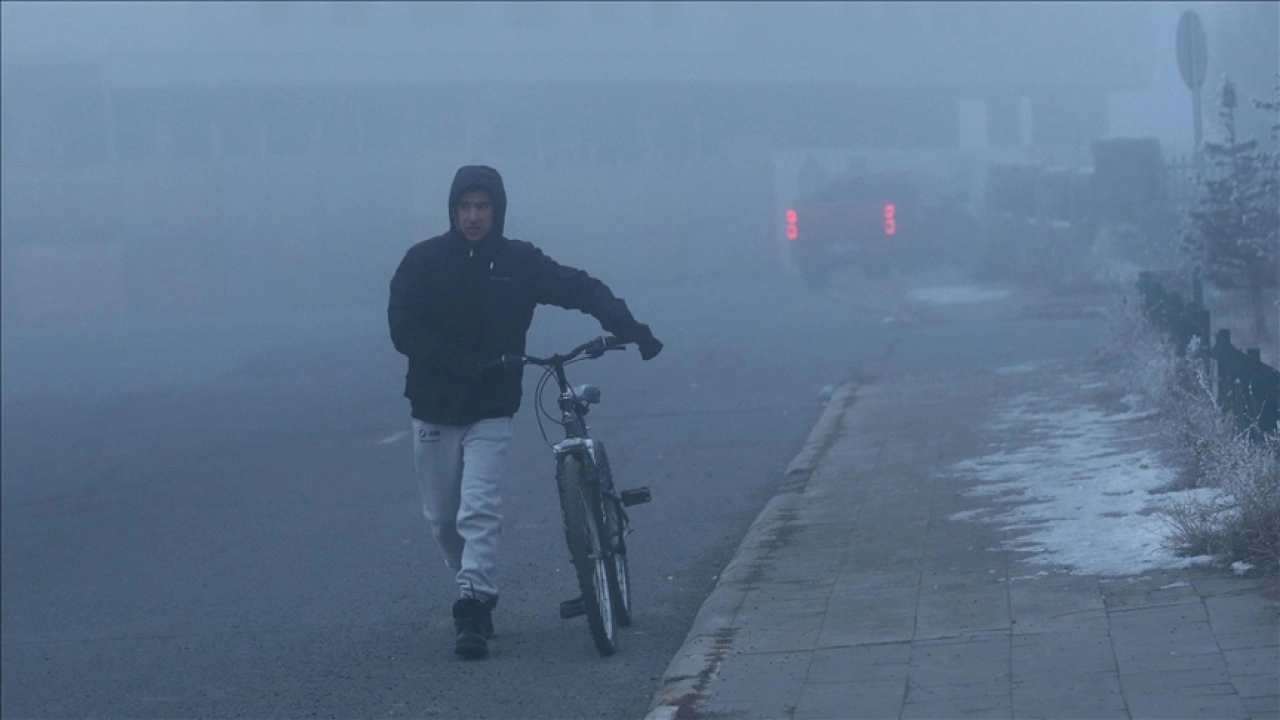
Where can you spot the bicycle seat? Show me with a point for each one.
(587, 393)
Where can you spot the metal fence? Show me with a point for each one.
(1247, 388)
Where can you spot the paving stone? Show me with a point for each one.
(980, 607)
(1218, 702)
(801, 614)
(1056, 603)
(1120, 598)
(768, 682)
(838, 631)
(1067, 678)
(963, 544)
(1177, 629)
(1212, 583)
(965, 708)
(1093, 621)
(850, 700)
(1166, 661)
(949, 582)
(982, 563)
(1081, 651)
(871, 582)
(1241, 613)
(793, 591)
(1176, 680)
(861, 664)
(1194, 642)
(998, 690)
(821, 535)
(1253, 661)
(1160, 620)
(1096, 697)
(1251, 686)
(1247, 639)
(799, 566)
(757, 639)
(871, 602)
(959, 662)
(1265, 705)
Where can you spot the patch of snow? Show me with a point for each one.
(1241, 567)
(1037, 576)
(1076, 486)
(969, 514)
(956, 295)
(1171, 586)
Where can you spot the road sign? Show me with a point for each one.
(1193, 52)
(1193, 61)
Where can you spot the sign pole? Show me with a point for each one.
(1197, 124)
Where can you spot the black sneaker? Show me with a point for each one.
(474, 625)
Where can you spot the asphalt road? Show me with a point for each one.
(219, 517)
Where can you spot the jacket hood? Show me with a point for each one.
(479, 177)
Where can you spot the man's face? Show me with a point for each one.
(474, 215)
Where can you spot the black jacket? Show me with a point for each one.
(454, 306)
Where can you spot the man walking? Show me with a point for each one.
(459, 302)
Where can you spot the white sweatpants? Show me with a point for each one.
(460, 470)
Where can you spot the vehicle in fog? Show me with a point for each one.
(865, 219)
(876, 221)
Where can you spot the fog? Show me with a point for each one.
(166, 159)
(209, 503)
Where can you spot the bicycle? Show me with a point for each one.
(595, 520)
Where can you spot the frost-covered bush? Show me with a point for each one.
(1236, 514)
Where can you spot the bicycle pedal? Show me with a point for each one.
(635, 496)
(572, 608)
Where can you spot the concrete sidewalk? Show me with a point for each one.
(870, 586)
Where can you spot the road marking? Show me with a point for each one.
(393, 438)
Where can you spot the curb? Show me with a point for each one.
(711, 636)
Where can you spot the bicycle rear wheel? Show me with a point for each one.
(582, 509)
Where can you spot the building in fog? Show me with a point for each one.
(305, 145)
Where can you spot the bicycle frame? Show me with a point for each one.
(573, 417)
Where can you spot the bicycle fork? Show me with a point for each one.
(627, 498)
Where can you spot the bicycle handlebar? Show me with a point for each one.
(592, 349)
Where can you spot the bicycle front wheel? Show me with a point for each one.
(583, 512)
(615, 534)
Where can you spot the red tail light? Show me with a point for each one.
(793, 227)
(890, 219)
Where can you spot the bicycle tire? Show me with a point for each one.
(618, 570)
(579, 507)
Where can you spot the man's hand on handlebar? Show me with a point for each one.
(642, 336)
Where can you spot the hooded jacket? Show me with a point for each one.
(455, 306)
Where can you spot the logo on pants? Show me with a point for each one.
(428, 436)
